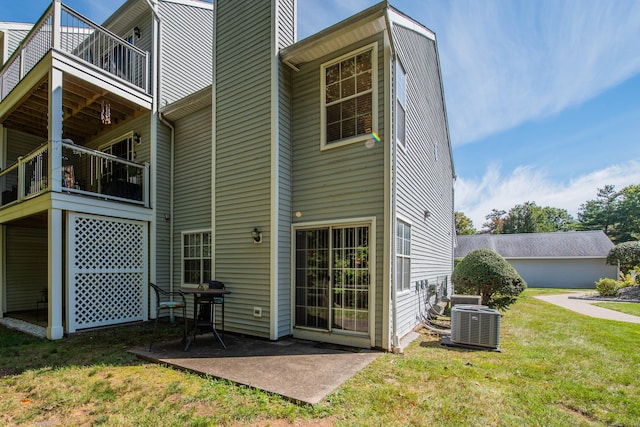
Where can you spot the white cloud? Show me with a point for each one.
(505, 63)
(497, 191)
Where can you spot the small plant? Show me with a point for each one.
(484, 272)
(629, 279)
(607, 287)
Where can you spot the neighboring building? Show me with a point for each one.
(575, 259)
(335, 149)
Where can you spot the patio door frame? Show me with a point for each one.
(337, 336)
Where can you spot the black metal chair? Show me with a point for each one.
(213, 301)
(165, 301)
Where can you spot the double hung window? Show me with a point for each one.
(349, 97)
(403, 256)
(196, 257)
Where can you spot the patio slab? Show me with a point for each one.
(300, 370)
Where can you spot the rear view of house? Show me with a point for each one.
(314, 177)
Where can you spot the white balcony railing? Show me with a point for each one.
(82, 38)
(84, 172)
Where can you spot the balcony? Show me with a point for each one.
(84, 172)
(101, 74)
(75, 35)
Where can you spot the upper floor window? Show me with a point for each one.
(349, 97)
(401, 104)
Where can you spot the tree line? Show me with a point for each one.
(617, 213)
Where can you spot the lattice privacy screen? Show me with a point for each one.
(107, 271)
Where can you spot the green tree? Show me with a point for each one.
(464, 225)
(626, 255)
(484, 272)
(601, 212)
(559, 219)
(525, 218)
(617, 213)
(628, 214)
(494, 222)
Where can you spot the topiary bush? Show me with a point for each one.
(607, 287)
(484, 272)
(627, 254)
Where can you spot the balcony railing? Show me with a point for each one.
(84, 172)
(82, 38)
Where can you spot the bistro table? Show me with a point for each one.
(201, 294)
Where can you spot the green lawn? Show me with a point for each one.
(556, 368)
(632, 308)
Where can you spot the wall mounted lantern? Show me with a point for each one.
(257, 235)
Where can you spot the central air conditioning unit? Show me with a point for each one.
(475, 326)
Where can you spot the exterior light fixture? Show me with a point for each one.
(136, 32)
(257, 235)
(137, 138)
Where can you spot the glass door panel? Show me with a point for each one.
(350, 290)
(332, 278)
(312, 278)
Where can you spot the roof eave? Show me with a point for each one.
(183, 106)
(358, 27)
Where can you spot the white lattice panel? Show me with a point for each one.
(107, 271)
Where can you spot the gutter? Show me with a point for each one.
(395, 339)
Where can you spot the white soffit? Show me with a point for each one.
(188, 105)
(345, 33)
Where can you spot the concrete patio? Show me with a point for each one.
(299, 370)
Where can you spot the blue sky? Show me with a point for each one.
(543, 97)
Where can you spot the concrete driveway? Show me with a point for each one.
(573, 302)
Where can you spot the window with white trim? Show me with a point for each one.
(403, 256)
(349, 97)
(401, 104)
(196, 257)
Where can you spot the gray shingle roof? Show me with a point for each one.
(539, 245)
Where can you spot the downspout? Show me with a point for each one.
(171, 193)
(395, 343)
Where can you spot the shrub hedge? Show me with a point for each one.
(484, 272)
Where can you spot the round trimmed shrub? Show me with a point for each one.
(607, 287)
(627, 254)
(484, 272)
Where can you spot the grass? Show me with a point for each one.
(556, 368)
(632, 308)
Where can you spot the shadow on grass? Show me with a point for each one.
(105, 346)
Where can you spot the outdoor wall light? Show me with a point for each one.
(257, 235)
(137, 138)
(136, 32)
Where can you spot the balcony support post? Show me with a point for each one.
(55, 130)
(57, 14)
(55, 329)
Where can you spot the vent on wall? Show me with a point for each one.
(475, 326)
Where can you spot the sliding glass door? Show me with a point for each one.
(332, 278)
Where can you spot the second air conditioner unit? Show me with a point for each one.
(475, 326)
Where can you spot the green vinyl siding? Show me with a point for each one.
(26, 267)
(284, 205)
(425, 180)
(343, 182)
(192, 180)
(161, 203)
(186, 33)
(243, 161)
